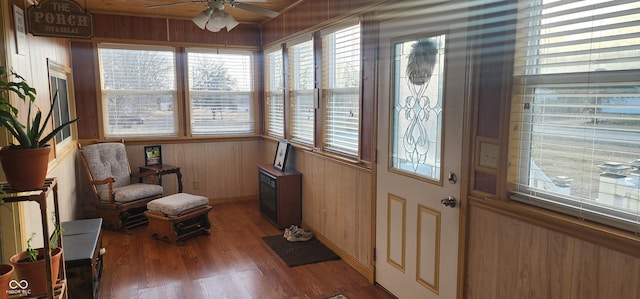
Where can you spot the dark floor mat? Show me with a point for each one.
(300, 253)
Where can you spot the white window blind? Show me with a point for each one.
(274, 88)
(138, 91)
(221, 93)
(341, 90)
(301, 90)
(575, 142)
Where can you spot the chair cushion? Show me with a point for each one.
(132, 192)
(108, 160)
(175, 204)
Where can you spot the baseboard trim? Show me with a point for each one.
(213, 201)
(352, 262)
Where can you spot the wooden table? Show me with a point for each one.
(163, 169)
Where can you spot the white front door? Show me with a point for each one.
(422, 90)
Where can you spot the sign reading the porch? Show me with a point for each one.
(60, 18)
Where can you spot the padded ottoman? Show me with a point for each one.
(177, 217)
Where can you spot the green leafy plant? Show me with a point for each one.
(31, 253)
(27, 135)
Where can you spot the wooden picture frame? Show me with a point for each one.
(152, 155)
(21, 31)
(280, 159)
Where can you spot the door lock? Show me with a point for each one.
(449, 202)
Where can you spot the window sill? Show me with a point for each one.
(601, 235)
(173, 140)
(348, 161)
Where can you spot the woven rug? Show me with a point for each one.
(300, 253)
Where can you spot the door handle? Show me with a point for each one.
(449, 202)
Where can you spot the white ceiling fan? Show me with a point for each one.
(220, 5)
(214, 18)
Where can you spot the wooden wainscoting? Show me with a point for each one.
(512, 258)
(218, 170)
(337, 206)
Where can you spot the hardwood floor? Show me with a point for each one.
(233, 262)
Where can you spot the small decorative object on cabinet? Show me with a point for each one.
(57, 286)
(280, 159)
(280, 195)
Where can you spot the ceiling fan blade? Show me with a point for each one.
(255, 1)
(256, 9)
(176, 3)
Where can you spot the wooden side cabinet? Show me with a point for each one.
(280, 195)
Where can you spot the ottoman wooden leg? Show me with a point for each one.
(177, 229)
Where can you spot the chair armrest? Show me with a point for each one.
(104, 182)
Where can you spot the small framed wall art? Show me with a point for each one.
(152, 155)
(280, 159)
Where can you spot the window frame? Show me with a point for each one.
(326, 90)
(519, 155)
(174, 93)
(60, 71)
(268, 92)
(290, 103)
(253, 93)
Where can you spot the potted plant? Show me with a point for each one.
(30, 264)
(25, 162)
(6, 271)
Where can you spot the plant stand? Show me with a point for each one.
(58, 285)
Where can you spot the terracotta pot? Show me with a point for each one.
(25, 169)
(35, 272)
(5, 276)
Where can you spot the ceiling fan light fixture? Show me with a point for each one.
(202, 19)
(231, 22)
(218, 18)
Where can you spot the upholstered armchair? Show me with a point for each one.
(119, 198)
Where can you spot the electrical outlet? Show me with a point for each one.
(196, 185)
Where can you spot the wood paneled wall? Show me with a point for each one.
(510, 258)
(171, 30)
(32, 64)
(336, 204)
(309, 14)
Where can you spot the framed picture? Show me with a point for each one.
(152, 155)
(21, 32)
(280, 159)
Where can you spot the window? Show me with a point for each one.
(575, 146)
(302, 91)
(138, 90)
(221, 92)
(341, 90)
(59, 89)
(274, 93)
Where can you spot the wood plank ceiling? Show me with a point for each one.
(186, 10)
